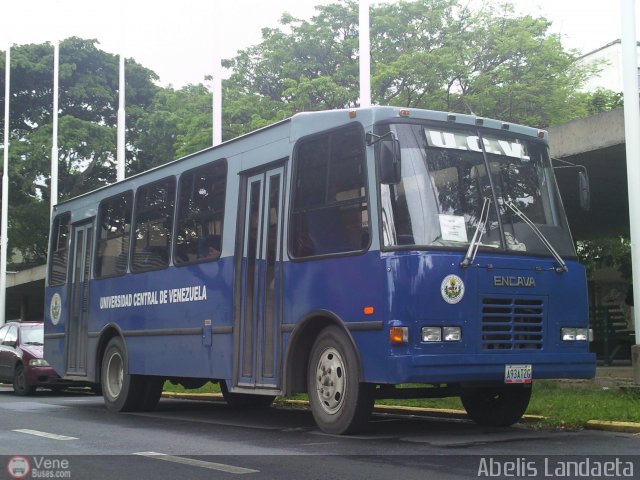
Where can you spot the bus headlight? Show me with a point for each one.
(570, 334)
(582, 334)
(441, 334)
(452, 334)
(431, 334)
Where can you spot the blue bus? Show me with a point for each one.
(350, 254)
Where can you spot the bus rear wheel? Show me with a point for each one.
(122, 392)
(245, 400)
(497, 406)
(340, 403)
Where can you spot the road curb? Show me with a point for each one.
(610, 426)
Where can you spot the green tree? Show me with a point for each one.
(602, 100)
(436, 54)
(606, 252)
(87, 139)
(178, 123)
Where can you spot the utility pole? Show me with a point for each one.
(365, 55)
(5, 188)
(632, 144)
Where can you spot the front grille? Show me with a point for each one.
(512, 323)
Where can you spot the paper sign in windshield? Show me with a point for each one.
(453, 228)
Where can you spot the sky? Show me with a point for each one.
(177, 38)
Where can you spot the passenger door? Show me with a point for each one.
(260, 302)
(82, 243)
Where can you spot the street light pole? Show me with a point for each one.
(217, 96)
(632, 144)
(54, 140)
(365, 54)
(5, 188)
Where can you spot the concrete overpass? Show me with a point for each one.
(597, 142)
(25, 294)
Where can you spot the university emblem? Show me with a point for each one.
(55, 309)
(452, 289)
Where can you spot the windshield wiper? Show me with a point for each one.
(33, 343)
(477, 236)
(562, 266)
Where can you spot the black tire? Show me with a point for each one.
(152, 393)
(20, 385)
(96, 389)
(245, 400)
(122, 392)
(340, 403)
(497, 406)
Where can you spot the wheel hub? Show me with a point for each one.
(331, 381)
(115, 375)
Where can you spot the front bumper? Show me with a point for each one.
(457, 368)
(44, 376)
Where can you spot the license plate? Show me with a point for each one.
(517, 373)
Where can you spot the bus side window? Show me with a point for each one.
(114, 230)
(330, 211)
(153, 225)
(201, 202)
(59, 250)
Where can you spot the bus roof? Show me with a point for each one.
(307, 123)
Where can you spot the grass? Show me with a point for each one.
(562, 406)
(209, 387)
(573, 407)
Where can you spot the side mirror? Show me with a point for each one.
(389, 161)
(584, 190)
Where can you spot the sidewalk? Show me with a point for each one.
(614, 376)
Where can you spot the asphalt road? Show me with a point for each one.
(197, 440)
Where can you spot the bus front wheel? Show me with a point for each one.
(340, 403)
(496, 406)
(122, 392)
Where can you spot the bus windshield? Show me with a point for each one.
(447, 177)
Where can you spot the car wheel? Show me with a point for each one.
(20, 385)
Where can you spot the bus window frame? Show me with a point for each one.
(97, 238)
(178, 205)
(134, 224)
(54, 238)
(292, 192)
(377, 127)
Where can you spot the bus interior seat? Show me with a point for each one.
(328, 233)
(209, 243)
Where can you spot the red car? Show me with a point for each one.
(21, 361)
